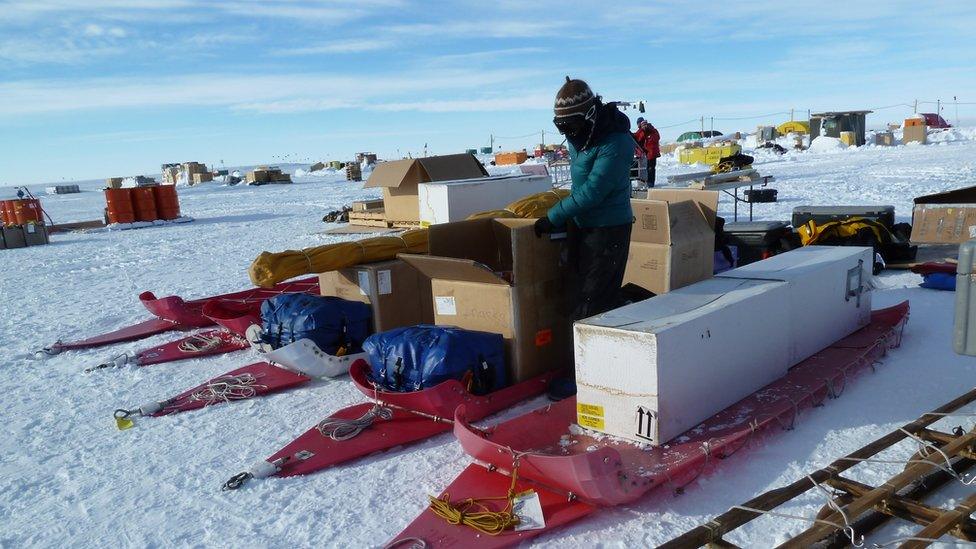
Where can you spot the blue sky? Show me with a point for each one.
(97, 88)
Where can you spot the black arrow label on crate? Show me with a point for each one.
(646, 420)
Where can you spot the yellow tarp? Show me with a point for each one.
(796, 126)
(812, 233)
(535, 205)
(269, 268)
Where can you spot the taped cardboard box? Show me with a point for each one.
(495, 275)
(945, 218)
(707, 201)
(671, 246)
(399, 180)
(398, 294)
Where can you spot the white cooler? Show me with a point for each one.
(651, 370)
(447, 201)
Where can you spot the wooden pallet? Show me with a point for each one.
(406, 224)
(867, 507)
(372, 218)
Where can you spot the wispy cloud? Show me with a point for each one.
(340, 46)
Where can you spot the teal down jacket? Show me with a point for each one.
(601, 185)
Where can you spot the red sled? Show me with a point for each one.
(391, 420)
(197, 345)
(247, 382)
(174, 313)
(558, 460)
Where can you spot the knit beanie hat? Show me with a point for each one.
(574, 98)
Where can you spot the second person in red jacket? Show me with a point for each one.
(649, 141)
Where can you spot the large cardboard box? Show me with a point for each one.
(510, 158)
(495, 275)
(945, 218)
(671, 246)
(398, 294)
(204, 177)
(914, 134)
(399, 180)
(447, 201)
(697, 350)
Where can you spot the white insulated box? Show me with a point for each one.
(447, 201)
(829, 296)
(652, 370)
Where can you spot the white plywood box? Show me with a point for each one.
(651, 370)
(829, 296)
(447, 201)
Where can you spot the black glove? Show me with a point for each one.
(543, 226)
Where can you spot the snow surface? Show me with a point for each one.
(69, 478)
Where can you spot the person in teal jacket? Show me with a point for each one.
(597, 213)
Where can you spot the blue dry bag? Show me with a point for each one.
(939, 281)
(418, 357)
(330, 322)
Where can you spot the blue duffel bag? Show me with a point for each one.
(418, 357)
(337, 326)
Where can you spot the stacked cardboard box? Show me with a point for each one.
(398, 294)
(672, 242)
(495, 275)
(199, 178)
(264, 174)
(509, 158)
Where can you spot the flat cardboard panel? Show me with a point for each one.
(943, 223)
(448, 268)
(452, 166)
(481, 240)
(690, 354)
(651, 222)
(398, 294)
(707, 201)
(395, 173)
(648, 266)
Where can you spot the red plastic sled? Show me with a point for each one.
(266, 378)
(173, 313)
(313, 451)
(200, 344)
(569, 465)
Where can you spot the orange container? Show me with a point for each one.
(144, 204)
(4, 216)
(914, 122)
(28, 210)
(118, 203)
(167, 201)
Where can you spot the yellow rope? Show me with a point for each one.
(472, 512)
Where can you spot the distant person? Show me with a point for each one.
(649, 141)
(597, 213)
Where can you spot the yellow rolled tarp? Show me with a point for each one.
(269, 268)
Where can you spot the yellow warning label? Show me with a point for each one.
(590, 422)
(589, 409)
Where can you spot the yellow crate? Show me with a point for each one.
(708, 155)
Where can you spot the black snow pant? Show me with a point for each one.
(651, 171)
(596, 260)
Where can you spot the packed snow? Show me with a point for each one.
(68, 477)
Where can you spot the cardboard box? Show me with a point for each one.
(35, 235)
(671, 246)
(699, 349)
(199, 178)
(398, 294)
(13, 237)
(257, 176)
(495, 275)
(914, 134)
(400, 179)
(884, 139)
(707, 201)
(945, 218)
(446, 201)
(510, 158)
